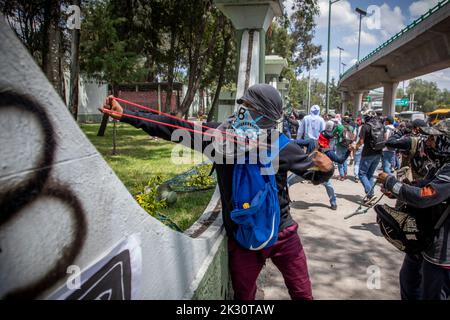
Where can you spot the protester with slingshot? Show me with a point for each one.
(249, 131)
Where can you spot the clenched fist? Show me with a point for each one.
(321, 161)
(112, 105)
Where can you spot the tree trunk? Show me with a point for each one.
(74, 69)
(170, 72)
(197, 65)
(52, 43)
(223, 64)
(102, 129)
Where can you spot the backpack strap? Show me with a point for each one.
(283, 141)
(414, 143)
(267, 166)
(442, 219)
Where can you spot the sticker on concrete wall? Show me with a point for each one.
(114, 277)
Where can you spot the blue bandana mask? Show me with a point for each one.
(244, 125)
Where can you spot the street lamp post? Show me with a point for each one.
(308, 107)
(340, 52)
(327, 98)
(361, 14)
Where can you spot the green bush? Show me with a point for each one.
(201, 180)
(149, 199)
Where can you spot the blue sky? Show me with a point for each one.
(394, 16)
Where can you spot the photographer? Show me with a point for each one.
(427, 275)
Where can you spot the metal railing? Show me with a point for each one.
(412, 25)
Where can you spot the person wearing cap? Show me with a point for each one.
(388, 152)
(261, 108)
(427, 275)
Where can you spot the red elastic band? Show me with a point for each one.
(176, 118)
(178, 127)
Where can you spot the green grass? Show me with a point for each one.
(139, 158)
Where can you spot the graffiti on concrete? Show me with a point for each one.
(40, 184)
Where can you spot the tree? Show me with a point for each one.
(201, 25)
(302, 32)
(74, 68)
(174, 54)
(221, 66)
(298, 91)
(425, 93)
(318, 89)
(278, 40)
(40, 25)
(104, 51)
(444, 98)
(335, 96)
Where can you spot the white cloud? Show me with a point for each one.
(342, 14)
(334, 53)
(391, 20)
(418, 8)
(441, 77)
(366, 38)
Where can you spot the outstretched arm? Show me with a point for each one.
(334, 157)
(421, 196)
(162, 126)
(315, 167)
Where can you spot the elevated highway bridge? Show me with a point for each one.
(420, 48)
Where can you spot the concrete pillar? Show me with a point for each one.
(390, 91)
(345, 99)
(357, 102)
(254, 18)
(344, 107)
(249, 64)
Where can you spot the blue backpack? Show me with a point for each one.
(256, 209)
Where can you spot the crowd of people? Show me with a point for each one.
(346, 140)
(420, 153)
(414, 162)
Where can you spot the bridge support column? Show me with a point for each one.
(344, 107)
(390, 91)
(345, 99)
(358, 102)
(252, 18)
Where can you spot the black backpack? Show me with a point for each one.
(409, 233)
(377, 129)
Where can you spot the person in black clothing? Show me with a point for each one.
(370, 158)
(427, 275)
(409, 142)
(263, 102)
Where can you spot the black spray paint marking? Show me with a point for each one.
(13, 201)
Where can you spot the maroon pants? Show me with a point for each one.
(287, 254)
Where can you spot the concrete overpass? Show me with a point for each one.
(420, 48)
